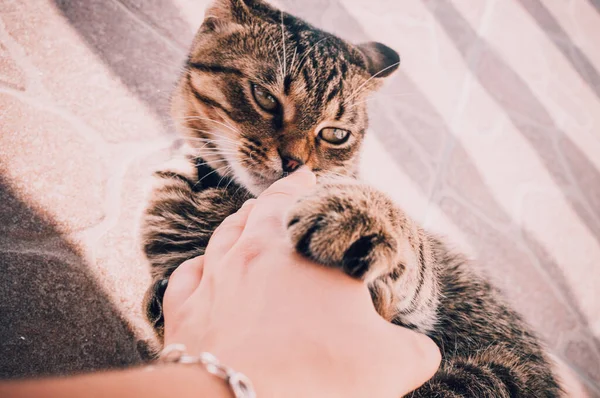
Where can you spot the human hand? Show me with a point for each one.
(294, 328)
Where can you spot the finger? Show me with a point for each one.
(271, 206)
(182, 283)
(228, 233)
(415, 354)
(294, 184)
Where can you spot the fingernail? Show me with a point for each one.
(309, 177)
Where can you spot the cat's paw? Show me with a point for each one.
(349, 226)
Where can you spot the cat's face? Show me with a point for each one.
(264, 92)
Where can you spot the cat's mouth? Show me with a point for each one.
(255, 178)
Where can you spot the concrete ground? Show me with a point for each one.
(489, 133)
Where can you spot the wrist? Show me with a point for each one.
(280, 365)
(192, 381)
(238, 383)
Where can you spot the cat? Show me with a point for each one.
(261, 94)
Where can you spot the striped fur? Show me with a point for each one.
(237, 149)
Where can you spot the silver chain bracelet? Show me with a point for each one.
(239, 384)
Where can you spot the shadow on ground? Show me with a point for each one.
(56, 319)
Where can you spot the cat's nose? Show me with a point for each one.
(289, 163)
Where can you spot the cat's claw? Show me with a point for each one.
(338, 228)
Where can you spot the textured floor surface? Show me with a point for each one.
(490, 134)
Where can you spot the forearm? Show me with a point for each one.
(147, 382)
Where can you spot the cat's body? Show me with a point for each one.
(250, 120)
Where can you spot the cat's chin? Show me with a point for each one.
(257, 186)
(253, 182)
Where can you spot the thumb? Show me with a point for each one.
(270, 207)
(182, 283)
(295, 184)
(419, 356)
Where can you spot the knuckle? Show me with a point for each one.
(268, 215)
(273, 218)
(275, 194)
(231, 222)
(254, 241)
(250, 247)
(249, 254)
(230, 219)
(250, 202)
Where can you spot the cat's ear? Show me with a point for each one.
(221, 13)
(241, 12)
(380, 59)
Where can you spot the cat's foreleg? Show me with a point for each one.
(360, 230)
(178, 224)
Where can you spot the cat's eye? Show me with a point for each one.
(264, 99)
(334, 136)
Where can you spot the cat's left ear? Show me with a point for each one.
(221, 13)
(241, 12)
(380, 59)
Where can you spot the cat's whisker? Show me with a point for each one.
(221, 160)
(283, 44)
(205, 141)
(228, 170)
(378, 96)
(212, 172)
(276, 48)
(362, 86)
(209, 150)
(237, 190)
(225, 118)
(229, 124)
(241, 186)
(294, 58)
(208, 163)
(208, 140)
(211, 163)
(205, 153)
(222, 178)
(210, 120)
(218, 139)
(306, 53)
(213, 153)
(230, 181)
(232, 177)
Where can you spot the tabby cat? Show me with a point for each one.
(263, 93)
